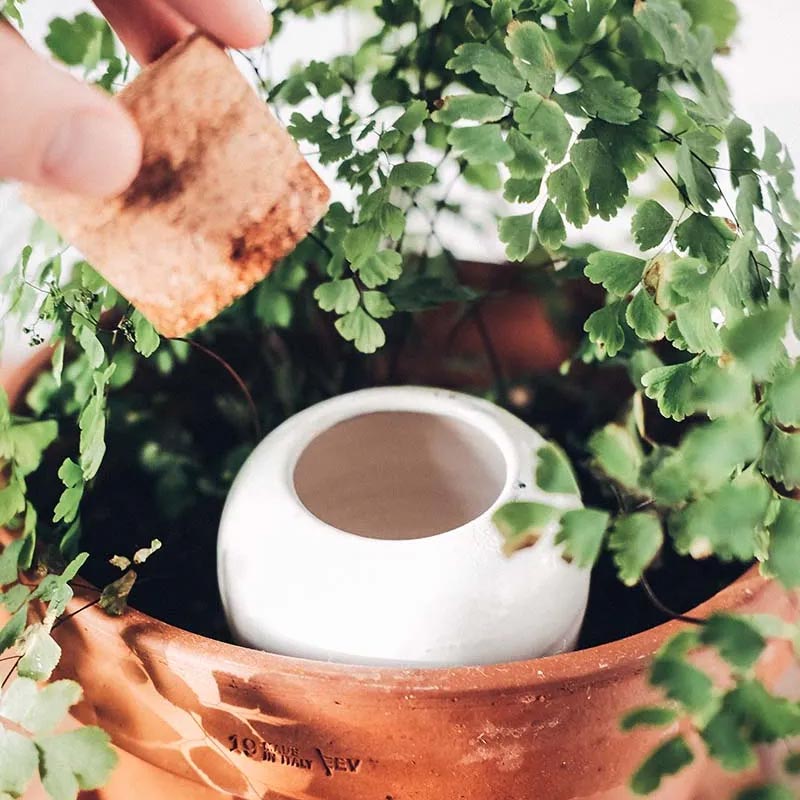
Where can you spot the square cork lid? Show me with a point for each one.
(223, 193)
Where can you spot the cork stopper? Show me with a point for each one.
(223, 193)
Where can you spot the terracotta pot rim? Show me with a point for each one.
(628, 654)
(579, 667)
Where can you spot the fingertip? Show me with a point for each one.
(94, 151)
(238, 23)
(258, 33)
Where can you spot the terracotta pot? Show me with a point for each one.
(196, 718)
(447, 345)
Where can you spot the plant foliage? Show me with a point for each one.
(551, 109)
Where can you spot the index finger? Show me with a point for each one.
(236, 23)
(149, 28)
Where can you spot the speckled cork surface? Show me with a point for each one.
(223, 193)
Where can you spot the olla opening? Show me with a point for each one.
(399, 474)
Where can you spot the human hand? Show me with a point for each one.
(56, 131)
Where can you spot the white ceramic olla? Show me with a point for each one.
(360, 531)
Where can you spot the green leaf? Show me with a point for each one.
(340, 296)
(550, 227)
(12, 502)
(146, 338)
(740, 280)
(41, 655)
(18, 763)
(606, 186)
(757, 341)
(13, 629)
(522, 190)
(72, 41)
(474, 107)
(740, 148)
(672, 389)
(697, 178)
(486, 176)
(581, 534)
(554, 471)
(14, 598)
(781, 458)
(503, 11)
(359, 327)
(527, 162)
(545, 122)
(635, 541)
(735, 639)
(378, 305)
(78, 760)
(748, 199)
(783, 396)
(411, 174)
(705, 237)
(617, 272)
(522, 523)
(317, 131)
(380, 267)
(585, 16)
(670, 25)
(727, 744)
(722, 389)
(480, 144)
(648, 717)
(38, 710)
(631, 147)
(709, 454)
(415, 114)
(783, 561)
(609, 99)
(25, 443)
(68, 505)
(566, 191)
(682, 682)
(766, 717)
(668, 759)
(650, 224)
(604, 329)
(617, 452)
(9, 561)
(721, 16)
(727, 522)
(770, 791)
(645, 318)
(533, 56)
(516, 233)
(493, 68)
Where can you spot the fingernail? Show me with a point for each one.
(93, 152)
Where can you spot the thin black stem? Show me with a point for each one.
(62, 620)
(666, 610)
(681, 191)
(236, 377)
(314, 238)
(491, 354)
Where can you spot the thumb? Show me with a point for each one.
(58, 132)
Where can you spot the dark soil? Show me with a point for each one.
(176, 440)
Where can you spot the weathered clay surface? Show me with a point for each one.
(220, 720)
(223, 193)
(254, 725)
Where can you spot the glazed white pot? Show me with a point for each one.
(360, 531)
